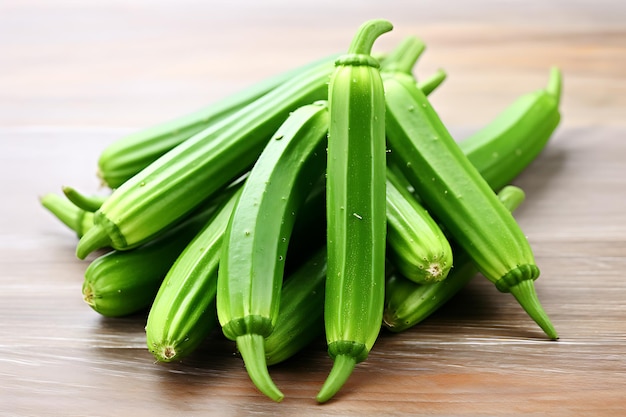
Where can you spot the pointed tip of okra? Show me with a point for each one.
(252, 350)
(525, 294)
(343, 366)
(95, 238)
(555, 83)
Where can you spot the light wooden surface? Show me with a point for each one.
(76, 75)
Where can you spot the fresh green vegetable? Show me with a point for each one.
(253, 258)
(460, 199)
(356, 214)
(408, 303)
(120, 283)
(199, 167)
(517, 135)
(73, 217)
(130, 154)
(183, 312)
(431, 83)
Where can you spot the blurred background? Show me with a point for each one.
(129, 64)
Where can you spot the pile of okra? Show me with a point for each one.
(327, 201)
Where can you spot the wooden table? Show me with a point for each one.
(75, 76)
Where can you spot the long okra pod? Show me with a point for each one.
(130, 154)
(463, 201)
(193, 171)
(408, 303)
(356, 211)
(256, 240)
(183, 312)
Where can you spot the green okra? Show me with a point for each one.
(463, 202)
(517, 135)
(408, 303)
(193, 171)
(120, 283)
(69, 214)
(356, 208)
(183, 312)
(256, 240)
(128, 155)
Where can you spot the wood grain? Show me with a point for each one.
(76, 76)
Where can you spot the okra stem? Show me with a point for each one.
(252, 349)
(526, 295)
(342, 369)
(364, 39)
(85, 202)
(431, 83)
(73, 217)
(555, 84)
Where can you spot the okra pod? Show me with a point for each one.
(253, 257)
(183, 312)
(408, 303)
(356, 208)
(193, 171)
(452, 188)
(120, 283)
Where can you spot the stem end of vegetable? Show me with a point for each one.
(252, 350)
(342, 369)
(525, 294)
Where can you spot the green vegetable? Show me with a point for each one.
(128, 155)
(356, 212)
(460, 199)
(183, 312)
(193, 171)
(408, 303)
(120, 283)
(517, 135)
(73, 217)
(253, 258)
(430, 84)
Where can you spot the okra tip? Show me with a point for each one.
(366, 35)
(252, 350)
(95, 238)
(526, 295)
(343, 366)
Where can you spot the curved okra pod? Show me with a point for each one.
(408, 303)
(183, 312)
(356, 208)
(193, 171)
(255, 245)
(463, 201)
(75, 218)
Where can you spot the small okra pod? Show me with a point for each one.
(408, 303)
(183, 312)
(120, 283)
(255, 244)
(356, 208)
(457, 195)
